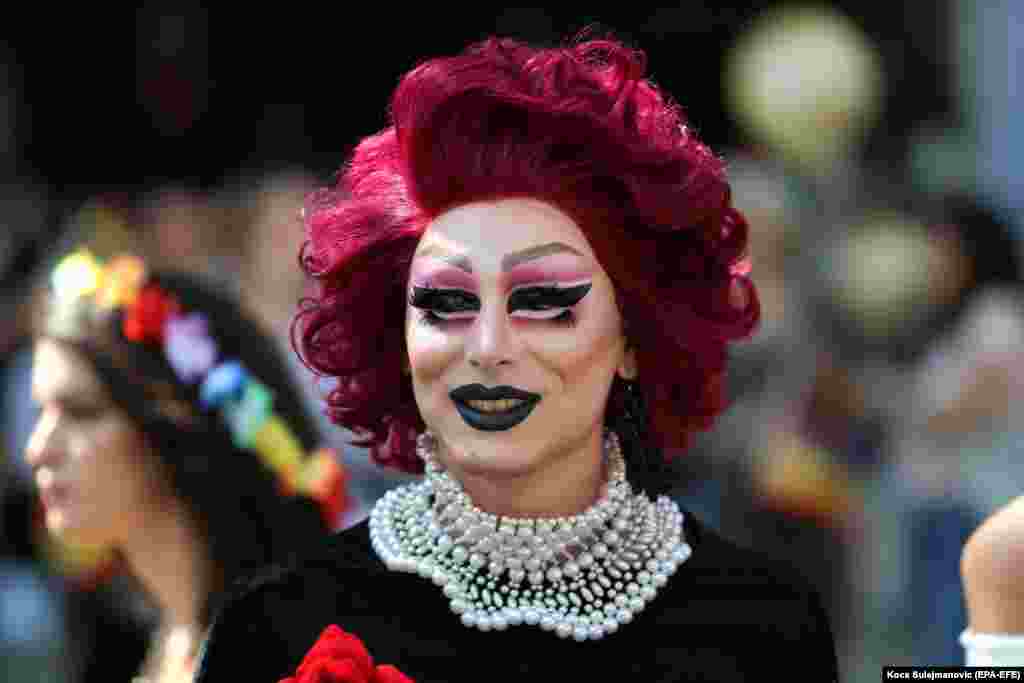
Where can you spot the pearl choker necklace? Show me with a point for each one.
(582, 576)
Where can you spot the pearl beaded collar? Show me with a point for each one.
(582, 576)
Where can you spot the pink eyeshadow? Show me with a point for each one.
(443, 276)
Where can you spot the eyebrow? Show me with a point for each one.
(508, 262)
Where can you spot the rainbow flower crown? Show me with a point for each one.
(245, 405)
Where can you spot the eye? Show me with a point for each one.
(548, 302)
(441, 305)
(82, 412)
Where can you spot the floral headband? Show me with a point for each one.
(153, 316)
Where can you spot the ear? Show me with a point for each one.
(627, 366)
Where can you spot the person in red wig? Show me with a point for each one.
(525, 287)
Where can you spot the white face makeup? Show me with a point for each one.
(513, 335)
(92, 464)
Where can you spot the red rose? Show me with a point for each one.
(340, 657)
(144, 320)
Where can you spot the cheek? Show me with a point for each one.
(431, 350)
(582, 350)
(113, 464)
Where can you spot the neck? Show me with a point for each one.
(565, 485)
(168, 556)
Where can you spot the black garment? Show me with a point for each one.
(726, 615)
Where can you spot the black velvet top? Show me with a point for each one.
(727, 614)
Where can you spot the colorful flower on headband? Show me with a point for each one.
(78, 274)
(225, 381)
(122, 279)
(280, 450)
(145, 317)
(247, 415)
(190, 350)
(325, 480)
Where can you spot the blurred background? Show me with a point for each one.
(877, 415)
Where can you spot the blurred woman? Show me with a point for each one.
(170, 433)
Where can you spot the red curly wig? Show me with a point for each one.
(580, 127)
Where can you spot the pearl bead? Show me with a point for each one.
(625, 545)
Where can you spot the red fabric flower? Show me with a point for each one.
(340, 657)
(144, 320)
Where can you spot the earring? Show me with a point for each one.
(634, 431)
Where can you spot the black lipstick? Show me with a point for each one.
(493, 421)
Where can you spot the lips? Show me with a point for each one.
(54, 494)
(493, 409)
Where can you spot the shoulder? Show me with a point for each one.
(717, 559)
(271, 620)
(994, 553)
(992, 569)
(733, 581)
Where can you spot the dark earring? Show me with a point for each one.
(642, 456)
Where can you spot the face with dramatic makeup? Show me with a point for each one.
(514, 336)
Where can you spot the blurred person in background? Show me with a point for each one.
(172, 439)
(992, 569)
(926, 313)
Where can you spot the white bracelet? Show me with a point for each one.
(993, 649)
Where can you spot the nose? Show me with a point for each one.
(42, 447)
(492, 342)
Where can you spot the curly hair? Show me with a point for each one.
(580, 127)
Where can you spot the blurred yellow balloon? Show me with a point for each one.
(807, 83)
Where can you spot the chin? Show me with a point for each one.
(496, 453)
(63, 525)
